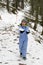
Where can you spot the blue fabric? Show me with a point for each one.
(23, 40)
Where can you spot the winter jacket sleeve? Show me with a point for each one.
(27, 30)
(21, 29)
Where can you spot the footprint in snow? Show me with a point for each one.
(0, 62)
(38, 58)
(15, 39)
(33, 57)
(0, 50)
(3, 47)
(17, 36)
(17, 43)
(18, 60)
(10, 50)
(6, 63)
(1, 40)
(21, 64)
(16, 48)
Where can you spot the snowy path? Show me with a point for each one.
(9, 47)
(9, 50)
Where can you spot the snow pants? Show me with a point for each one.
(23, 47)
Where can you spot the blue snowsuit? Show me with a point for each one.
(24, 30)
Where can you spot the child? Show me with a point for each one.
(24, 31)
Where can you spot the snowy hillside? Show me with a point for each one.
(9, 41)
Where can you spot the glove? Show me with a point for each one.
(27, 32)
(21, 31)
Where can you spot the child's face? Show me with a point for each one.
(23, 23)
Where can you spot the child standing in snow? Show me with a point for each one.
(24, 31)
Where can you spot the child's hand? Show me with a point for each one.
(28, 32)
(21, 31)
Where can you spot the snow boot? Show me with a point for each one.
(20, 54)
(24, 58)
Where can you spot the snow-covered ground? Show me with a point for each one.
(9, 39)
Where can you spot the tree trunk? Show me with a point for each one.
(35, 26)
(41, 13)
(8, 5)
(42, 24)
(32, 6)
(42, 32)
(22, 4)
(17, 4)
(14, 5)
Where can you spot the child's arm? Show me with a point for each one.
(27, 30)
(21, 29)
